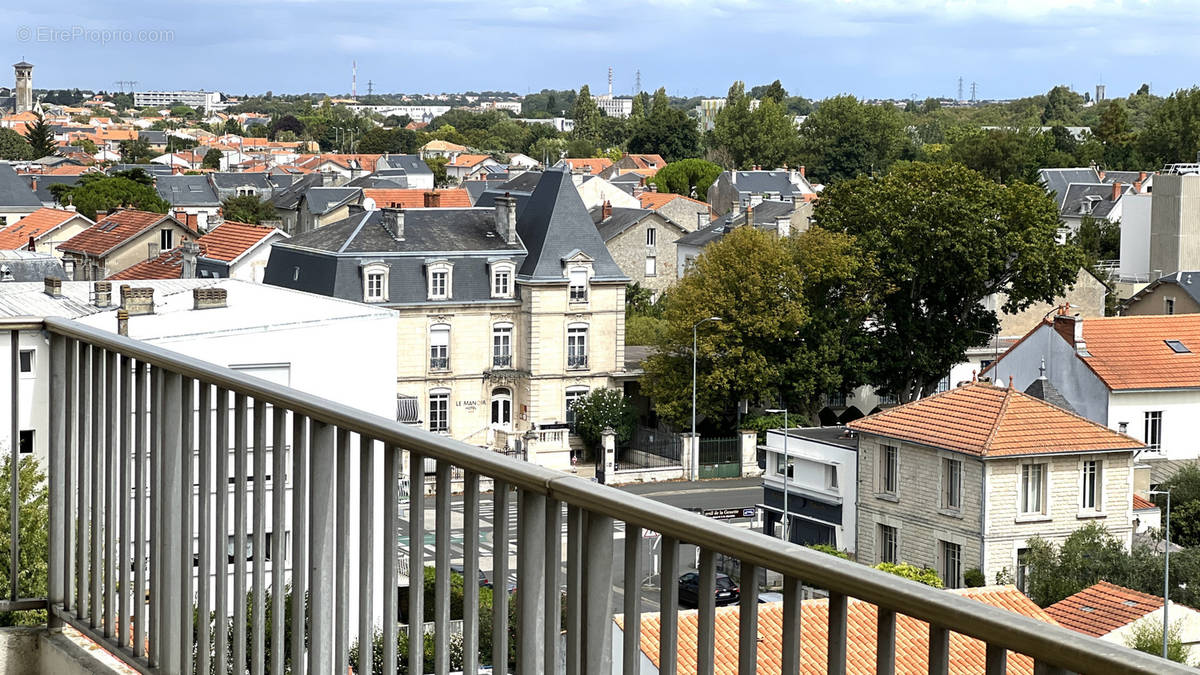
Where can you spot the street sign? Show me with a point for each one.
(649, 534)
(729, 514)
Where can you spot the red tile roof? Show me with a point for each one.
(166, 266)
(1142, 504)
(967, 655)
(415, 198)
(989, 421)
(465, 160)
(1130, 352)
(230, 240)
(34, 225)
(592, 165)
(656, 200)
(112, 231)
(1100, 609)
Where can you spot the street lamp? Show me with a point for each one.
(787, 465)
(1166, 566)
(696, 446)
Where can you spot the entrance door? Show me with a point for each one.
(502, 408)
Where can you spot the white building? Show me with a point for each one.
(166, 99)
(821, 485)
(614, 107)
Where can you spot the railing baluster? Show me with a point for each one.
(552, 615)
(279, 486)
(140, 506)
(748, 620)
(203, 571)
(153, 536)
(416, 563)
(258, 659)
(221, 548)
(791, 626)
(187, 454)
(939, 650)
(341, 610)
(885, 642)
(323, 481)
(470, 572)
(531, 561)
(96, 464)
(997, 659)
(124, 453)
(668, 631)
(706, 600)
(366, 552)
(69, 449)
(171, 489)
(112, 411)
(240, 441)
(837, 633)
(597, 580)
(500, 539)
(391, 551)
(300, 543)
(59, 411)
(575, 535)
(83, 481)
(631, 652)
(441, 567)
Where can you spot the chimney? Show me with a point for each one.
(393, 222)
(137, 301)
(187, 259)
(1116, 192)
(1142, 176)
(1100, 173)
(606, 210)
(122, 322)
(735, 207)
(1070, 327)
(783, 226)
(802, 172)
(1137, 187)
(433, 200)
(702, 220)
(53, 287)
(506, 218)
(33, 183)
(32, 244)
(749, 216)
(653, 187)
(208, 298)
(102, 292)
(733, 177)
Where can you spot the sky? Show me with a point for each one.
(817, 48)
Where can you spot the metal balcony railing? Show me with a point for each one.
(439, 363)
(502, 360)
(138, 435)
(577, 361)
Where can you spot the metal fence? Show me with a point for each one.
(127, 419)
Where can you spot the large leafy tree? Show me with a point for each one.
(1088, 555)
(665, 130)
(1004, 155)
(380, 140)
(1185, 504)
(945, 238)
(1172, 133)
(212, 159)
(32, 524)
(764, 136)
(40, 137)
(844, 138)
(97, 192)
(586, 115)
(688, 177)
(247, 209)
(136, 151)
(13, 146)
(1115, 134)
(792, 311)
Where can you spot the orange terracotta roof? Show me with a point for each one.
(67, 170)
(230, 240)
(467, 160)
(989, 421)
(657, 200)
(167, 265)
(367, 162)
(592, 165)
(644, 161)
(1140, 503)
(1100, 609)
(1130, 352)
(444, 146)
(34, 225)
(967, 655)
(415, 198)
(112, 231)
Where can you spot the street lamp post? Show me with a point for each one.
(1166, 567)
(787, 465)
(695, 467)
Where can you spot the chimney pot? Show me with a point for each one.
(606, 210)
(53, 287)
(433, 200)
(506, 218)
(735, 207)
(1116, 190)
(137, 301)
(1137, 187)
(122, 322)
(209, 298)
(32, 244)
(1142, 176)
(1100, 173)
(393, 223)
(802, 171)
(102, 290)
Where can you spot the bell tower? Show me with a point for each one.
(24, 75)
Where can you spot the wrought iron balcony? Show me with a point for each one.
(139, 440)
(439, 363)
(577, 361)
(502, 360)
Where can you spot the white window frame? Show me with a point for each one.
(439, 421)
(651, 237)
(435, 270)
(573, 293)
(1091, 486)
(951, 484)
(892, 548)
(371, 272)
(577, 345)
(1152, 425)
(503, 274)
(572, 395)
(651, 266)
(1025, 479)
(437, 348)
(502, 343)
(166, 239)
(883, 461)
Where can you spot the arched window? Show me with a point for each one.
(502, 406)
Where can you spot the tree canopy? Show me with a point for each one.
(944, 238)
(40, 137)
(97, 192)
(844, 138)
(763, 136)
(247, 209)
(13, 146)
(664, 131)
(688, 177)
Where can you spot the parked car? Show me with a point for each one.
(483, 580)
(689, 590)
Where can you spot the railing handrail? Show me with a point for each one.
(1044, 642)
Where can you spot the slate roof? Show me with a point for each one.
(152, 169)
(411, 164)
(182, 190)
(34, 225)
(519, 187)
(476, 188)
(394, 179)
(621, 219)
(322, 200)
(230, 180)
(766, 214)
(432, 231)
(15, 191)
(1102, 608)
(553, 224)
(1043, 389)
(1094, 199)
(153, 137)
(759, 182)
(18, 266)
(967, 655)
(1055, 181)
(44, 182)
(290, 196)
(1185, 281)
(113, 231)
(988, 421)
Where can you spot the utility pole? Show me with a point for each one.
(370, 87)
(974, 98)
(960, 90)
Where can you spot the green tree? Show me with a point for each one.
(438, 166)
(581, 148)
(98, 192)
(664, 131)
(136, 151)
(380, 141)
(1088, 555)
(586, 115)
(603, 409)
(1098, 239)
(1115, 134)
(1062, 106)
(212, 159)
(773, 91)
(1004, 155)
(923, 575)
(247, 209)
(1184, 485)
(13, 146)
(1172, 132)
(844, 138)
(1147, 636)
(791, 313)
(40, 137)
(287, 123)
(688, 177)
(945, 238)
(764, 136)
(232, 127)
(85, 144)
(32, 524)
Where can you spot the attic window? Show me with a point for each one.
(1130, 603)
(1178, 347)
(1085, 608)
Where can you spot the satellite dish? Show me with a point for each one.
(369, 204)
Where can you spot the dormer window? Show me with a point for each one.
(440, 277)
(502, 273)
(578, 286)
(375, 282)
